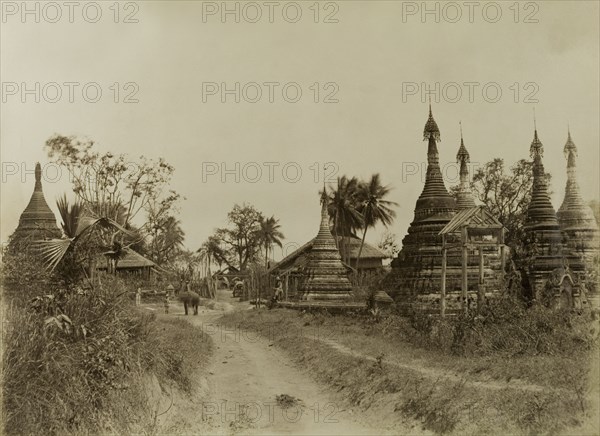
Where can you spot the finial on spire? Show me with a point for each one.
(324, 193)
(537, 148)
(38, 177)
(570, 149)
(431, 128)
(463, 155)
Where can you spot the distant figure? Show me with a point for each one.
(138, 297)
(277, 293)
(278, 289)
(167, 302)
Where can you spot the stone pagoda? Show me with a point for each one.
(415, 279)
(544, 247)
(37, 222)
(325, 276)
(464, 196)
(417, 269)
(577, 221)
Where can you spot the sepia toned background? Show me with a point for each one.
(371, 54)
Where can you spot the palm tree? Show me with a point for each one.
(270, 234)
(76, 224)
(373, 207)
(167, 239)
(343, 211)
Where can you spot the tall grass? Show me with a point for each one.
(75, 360)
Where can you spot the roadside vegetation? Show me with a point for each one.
(506, 371)
(80, 360)
(78, 357)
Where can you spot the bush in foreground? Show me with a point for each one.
(76, 360)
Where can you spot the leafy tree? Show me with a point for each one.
(241, 241)
(506, 194)
(387, 243)
(373, 207)
(114, 186)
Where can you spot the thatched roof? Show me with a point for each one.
(131, 260)
(298, 259)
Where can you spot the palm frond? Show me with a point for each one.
(53, 250)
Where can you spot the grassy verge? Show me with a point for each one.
(434, 385)
(81, 361)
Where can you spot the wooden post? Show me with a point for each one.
(465, 260)
(443, 290)
(480, 288)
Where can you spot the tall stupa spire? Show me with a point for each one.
(417, 271)
(544, 239)
(576, 219)
(464, 197)
(326, 276)
(434, 198)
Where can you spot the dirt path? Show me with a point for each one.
(438, 374)
(254, 389)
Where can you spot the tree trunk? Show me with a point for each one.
(362, 243)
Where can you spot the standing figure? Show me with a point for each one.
(138, 297)
(167, 302)
(278, 289)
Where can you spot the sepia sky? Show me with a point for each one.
(371, 61)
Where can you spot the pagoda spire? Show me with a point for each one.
(577, 221)
(326, 275)
(431, 129)
(543, 235)
(37, 221)
(435, 198)
(464, 198)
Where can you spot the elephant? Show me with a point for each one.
(190, 299)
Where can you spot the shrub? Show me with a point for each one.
(75, 358)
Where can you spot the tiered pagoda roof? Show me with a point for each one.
(37, 220)
(325, 275)
(417, 271)
(464, 196)
(544, 239)
(434, 203)
(576, 219)
(574, 215)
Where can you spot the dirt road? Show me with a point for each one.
(252, 388)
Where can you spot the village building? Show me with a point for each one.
(132, 264)
(290, 268)
(37, 222)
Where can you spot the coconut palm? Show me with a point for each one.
(373, 208)
(270, 234)
(343, 211)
